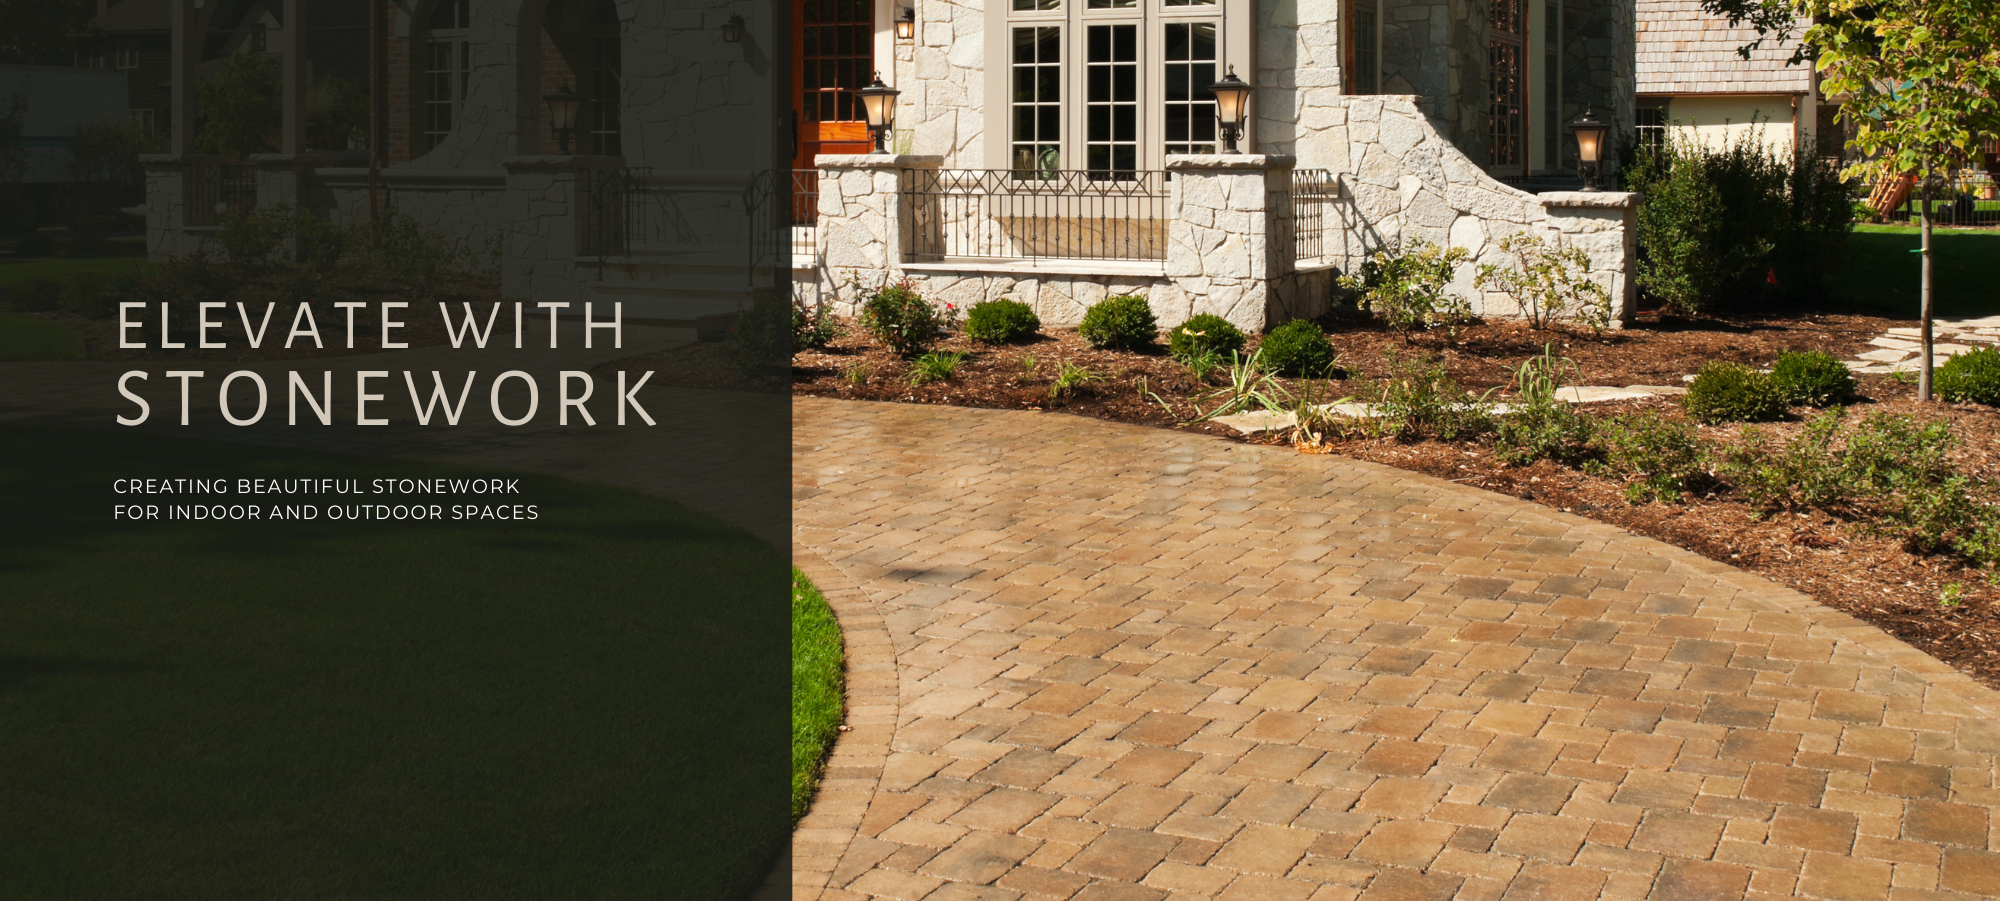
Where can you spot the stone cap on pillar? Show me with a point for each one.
(1240, 161)
(878, 161)
(1590, 200)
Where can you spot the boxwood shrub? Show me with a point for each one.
(1124, 322)
(1000, 321)
(1972, 377)
(1206, 334)
(1813, 378)
(1298, 348)
(1732, 392)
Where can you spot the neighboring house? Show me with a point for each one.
(1049, 150)
(1695, 85)
(60, 99)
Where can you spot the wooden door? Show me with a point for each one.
(833, 55)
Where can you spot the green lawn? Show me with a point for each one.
(1882, 275)
(585, 706)
(818, 677)
(123, 253)
(24, 337)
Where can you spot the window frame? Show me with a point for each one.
(1234, 21)
(423, 41)
(599, 110)
(1350, 57)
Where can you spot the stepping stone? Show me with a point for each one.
(1585, 394)
(1950, 350)
(1978, 336)
(1889, 355)
(1907, 332)
(1895, 342)
(1659, 389)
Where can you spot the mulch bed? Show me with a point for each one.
(1874, 578)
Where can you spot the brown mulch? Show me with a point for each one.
(421, 324)
(1873, 578)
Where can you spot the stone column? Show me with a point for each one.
(1605, 224)
(863, 223)
(1225, 236)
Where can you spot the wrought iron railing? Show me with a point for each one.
(1314, 192)
(214, 190)
(783, 207)
(1008, 215)
(1972, 200)
(602, 212)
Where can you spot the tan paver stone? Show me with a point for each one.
(1092, 662)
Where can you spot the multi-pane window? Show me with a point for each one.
(127, 58)
(1651, 124)
(1552, 82)
(1364, 33)
(444, 53)
(1111, 101)
(1505, 53)
(604, 83)
(1190, 108)
(1110, 87)
(1036, 104)
(837, 58)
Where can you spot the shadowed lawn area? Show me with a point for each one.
(589, 705)
(818, 678)
(1881, 274)
(24, 337)
(120, 255)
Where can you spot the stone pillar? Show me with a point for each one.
(1605, 224)
(296, 77)
(863, 223)
(1226, 239)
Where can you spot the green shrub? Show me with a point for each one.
(1298, 348)
(759, 344)
(1407, 290)
(1206, 336)
(1721, 225)
(1123, 322)
(1732, 392)
(902, 319)
(1972, 377)
(418, 257)
(36, 294)
(323, 243)
(1664, 458)
(85, 242)
(1808, 471)
(936, 366)
(1542, 426)
(254, 240)
(96, 295)
(1812, 378)
(1000, 321)
(1421, 399)
(35, 244)
(1550, 281)
(812, 327)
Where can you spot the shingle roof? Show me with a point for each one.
(1683, 50)
(137, 15)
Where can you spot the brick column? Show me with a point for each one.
(1226, 239)
(863, 223)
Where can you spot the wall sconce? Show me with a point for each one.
(732, 30)
(906, 24)
(1232, 107)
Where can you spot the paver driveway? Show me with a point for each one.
(1103, 662)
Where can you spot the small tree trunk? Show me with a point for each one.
(1924, 374)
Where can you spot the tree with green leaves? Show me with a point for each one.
(1919, 81)
(42, 31)
(239, 106)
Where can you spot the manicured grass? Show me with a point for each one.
(121, 255)
(584, 706)
(1881, 274)
(24, 337)
(818, 684)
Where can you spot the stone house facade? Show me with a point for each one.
(1053, 151)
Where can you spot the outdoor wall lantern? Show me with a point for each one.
(732, 30)
(562, 113)
(1589, 146)
(878, 104)
(1232, 105)
(906, 24)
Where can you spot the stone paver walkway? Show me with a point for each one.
(1099, 662)
(1901, 350)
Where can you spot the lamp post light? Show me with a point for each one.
(906, 24)
(878, 105)
(562, 113)
(1232, 106)
(1589, 146)
(732, 30)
